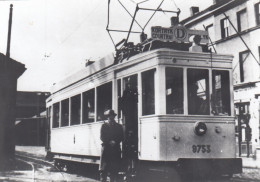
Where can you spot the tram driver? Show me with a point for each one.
(197, 105)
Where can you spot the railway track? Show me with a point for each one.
(42, 170)
(40, 166)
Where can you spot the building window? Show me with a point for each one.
(242, 20)
(148, 92)
(198, 91)
(89, 106)
(56, 115)
(65, 112)
(220, 98)
(104, 100)
(225, 29)
(257, 13)
(174, 90)
(242, 58)
(75, 109)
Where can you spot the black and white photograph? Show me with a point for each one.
(130, 90)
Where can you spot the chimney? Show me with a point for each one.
(174, 21)
(194, 10)
(216, 1)
(220, 1)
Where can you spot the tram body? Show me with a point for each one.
(171, 128)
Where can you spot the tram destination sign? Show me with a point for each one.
(177, 34)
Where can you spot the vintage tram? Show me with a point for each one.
(173, 96)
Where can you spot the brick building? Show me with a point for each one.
(30, 125)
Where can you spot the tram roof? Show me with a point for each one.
(85, 72)
(109, 60)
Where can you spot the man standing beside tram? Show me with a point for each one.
(111, 135)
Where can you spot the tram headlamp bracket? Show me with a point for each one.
(217, 129)
(200, 128)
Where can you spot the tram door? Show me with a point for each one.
(129, 109)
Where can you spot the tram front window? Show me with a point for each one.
(174, 90)
(198, 91)
(220, 98)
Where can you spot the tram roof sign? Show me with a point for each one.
(177, 34)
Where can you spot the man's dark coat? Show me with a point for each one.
(111, 155)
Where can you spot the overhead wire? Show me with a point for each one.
(130, 14)
(74, 30)
(153, 14)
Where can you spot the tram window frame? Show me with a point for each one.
(220, 98)
(65, 112)
(174, 90)
(148, 92)
(88, 106)
(104, 100)
(195, 76)
(56, 115)
(75, 109)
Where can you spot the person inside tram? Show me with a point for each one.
(197, 105)
(128, 104)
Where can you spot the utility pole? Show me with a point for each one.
(9, 31)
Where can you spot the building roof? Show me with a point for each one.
(29, 104)
(10, 66)
(33, 99)
(216, 9)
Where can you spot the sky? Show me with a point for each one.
(54, 38)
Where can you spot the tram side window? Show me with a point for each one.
(198, 91)
(174, 90)
(65, 112)
(56, 115)
(221, 93)
(89, 106)
(75, 109)
(104, 100)
(148, 92)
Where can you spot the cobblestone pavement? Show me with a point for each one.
(36, 168)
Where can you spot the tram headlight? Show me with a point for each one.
(200, 128)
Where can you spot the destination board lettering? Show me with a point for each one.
(162, 33)
(177, 34)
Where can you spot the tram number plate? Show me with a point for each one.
(201, 148)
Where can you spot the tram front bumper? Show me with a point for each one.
(224, 166)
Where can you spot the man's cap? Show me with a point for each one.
(110, 112)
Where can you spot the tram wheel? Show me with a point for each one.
(58, 164)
